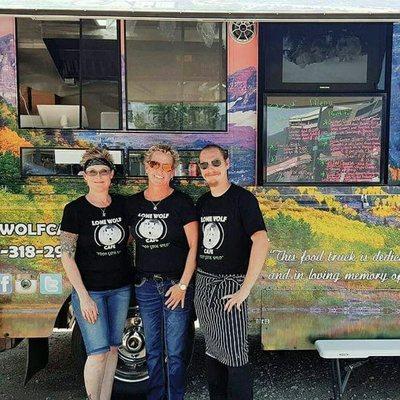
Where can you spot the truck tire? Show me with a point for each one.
(127, 387)
(131, 374)
(78, 348)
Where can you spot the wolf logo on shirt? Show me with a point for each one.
(213, 235)
(151, 229)
(109, 235)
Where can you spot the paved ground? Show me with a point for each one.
(300, 375)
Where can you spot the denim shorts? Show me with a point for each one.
(108, 329)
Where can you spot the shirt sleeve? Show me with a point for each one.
(250, 214)
(187, 210)
(70, 221)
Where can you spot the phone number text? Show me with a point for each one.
(31, 251)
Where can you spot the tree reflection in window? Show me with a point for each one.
(176, 75)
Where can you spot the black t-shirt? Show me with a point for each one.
(226, 224)
(161, 243)
(101, 252)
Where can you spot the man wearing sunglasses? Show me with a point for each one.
(233, 245)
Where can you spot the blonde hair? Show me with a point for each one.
(164, 148)
(96, 152)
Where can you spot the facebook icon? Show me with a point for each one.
(6, 285)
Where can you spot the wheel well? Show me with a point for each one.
(65, 318)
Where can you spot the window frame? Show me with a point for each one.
(120, 100)
(261, 123)
(199, 131)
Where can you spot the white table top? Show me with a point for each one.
(358, 348)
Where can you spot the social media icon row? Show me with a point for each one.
(27, 284)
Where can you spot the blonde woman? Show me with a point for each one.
(94, 233)
(164, 225)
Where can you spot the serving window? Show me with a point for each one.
(323, 139)
(176, 76)
(60, 162)
(69, 73)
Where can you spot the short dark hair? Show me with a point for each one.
(223, 152)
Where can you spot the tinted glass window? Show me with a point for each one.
(68, 73)
(176, 75)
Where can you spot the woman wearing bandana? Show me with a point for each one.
(94, 234)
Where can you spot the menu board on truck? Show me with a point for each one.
(323, 138)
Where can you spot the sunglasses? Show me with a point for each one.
(215, 163)
(102, 172)
(157, 165)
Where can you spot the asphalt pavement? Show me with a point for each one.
(279, 375)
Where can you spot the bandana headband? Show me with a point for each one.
(98, 161)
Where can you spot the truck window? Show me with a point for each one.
(68, 73)
(176, 76)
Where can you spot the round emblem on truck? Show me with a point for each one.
(243, 31)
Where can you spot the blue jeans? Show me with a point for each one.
(166, 334)
(108, 329)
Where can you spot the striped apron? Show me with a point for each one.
(225, 333)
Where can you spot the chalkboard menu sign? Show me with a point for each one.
(315, 139)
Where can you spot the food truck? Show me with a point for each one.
(305, 98)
